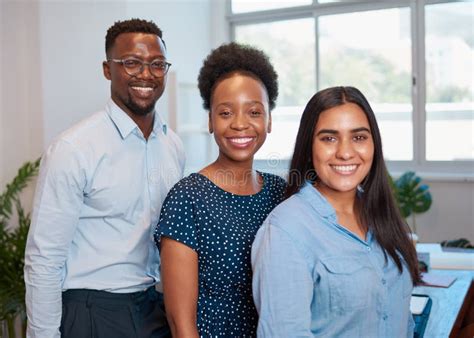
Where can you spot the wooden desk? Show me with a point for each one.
(447, 311)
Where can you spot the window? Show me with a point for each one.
(243, 6)
(376, 61)
(296, 76)
(449, 41)
(412, 59)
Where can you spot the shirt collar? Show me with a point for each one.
(126, 125)
(317, 201)
(321, 205)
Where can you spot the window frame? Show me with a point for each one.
(434, 170)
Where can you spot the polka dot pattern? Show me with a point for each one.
(220, 227)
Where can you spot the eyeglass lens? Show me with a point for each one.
(157, 68)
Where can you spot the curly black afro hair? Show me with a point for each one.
(130, 26)
(235, 57)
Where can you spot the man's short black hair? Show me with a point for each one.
(235, 57)
(130, 26)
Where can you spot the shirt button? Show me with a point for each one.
(384, 281)
(384, 317)
(368, 249)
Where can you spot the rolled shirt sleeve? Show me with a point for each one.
(282, 284)
(56, 210)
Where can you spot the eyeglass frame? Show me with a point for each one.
(142, 67)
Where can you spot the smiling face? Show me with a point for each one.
(239, 117)
(343, 148)
(136, 95)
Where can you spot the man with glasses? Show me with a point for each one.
(90, 263)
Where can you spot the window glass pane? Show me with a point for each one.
(291, 48)
(372, 51)
(243, 6)
(449, 41)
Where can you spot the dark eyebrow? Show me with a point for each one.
(254, 102)
(360, 129)
(225, 104)
(140, 57)
(327, 131)
(248, 103)
(334, 132)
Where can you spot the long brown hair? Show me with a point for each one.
(376, 206)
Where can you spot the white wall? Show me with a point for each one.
(51, 76)
(72, 50)
(71, 37)
(21, 111)
(2, 164)
(52, 53)
(19, 82)
(50, 64)
(451, 214)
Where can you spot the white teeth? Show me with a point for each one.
(241, 140)
(143, 89)
(344, 168)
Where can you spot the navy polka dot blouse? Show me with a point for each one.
(220, 227)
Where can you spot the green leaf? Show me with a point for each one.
(412, 196)
(12, 244)
(7, 198)
(458, 243)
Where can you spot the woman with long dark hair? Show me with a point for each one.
(334, 259)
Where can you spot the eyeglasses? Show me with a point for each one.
(132, 66)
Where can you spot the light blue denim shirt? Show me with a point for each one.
(99, 194)
(314, 278)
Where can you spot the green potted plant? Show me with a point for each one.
(413, 197)
(12, 249)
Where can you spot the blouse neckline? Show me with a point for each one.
(264, 185)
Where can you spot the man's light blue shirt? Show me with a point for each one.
(314, 278)
(99, 194)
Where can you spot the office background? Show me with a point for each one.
(51, 77)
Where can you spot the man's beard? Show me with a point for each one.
(139, 110)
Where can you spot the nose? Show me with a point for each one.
(345, 150)
(145, 73)
(240, 121)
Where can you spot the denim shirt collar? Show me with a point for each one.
(317, 201)
(321, 206)
(124, 123)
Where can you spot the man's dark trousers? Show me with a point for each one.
(100, 314)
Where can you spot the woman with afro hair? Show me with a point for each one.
(209, 219)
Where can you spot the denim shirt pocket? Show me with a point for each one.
(348, 282)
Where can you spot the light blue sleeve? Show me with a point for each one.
(56, 210)
(410, 326)
(282, 285)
